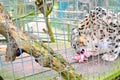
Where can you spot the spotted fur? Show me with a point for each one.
(100, 27)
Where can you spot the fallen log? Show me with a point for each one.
(19, 42)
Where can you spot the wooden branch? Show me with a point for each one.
(19, 42)
(24, 16)
(44, 31)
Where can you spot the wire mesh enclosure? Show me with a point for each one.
(59, 39)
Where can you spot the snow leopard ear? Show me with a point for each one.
(96, 8)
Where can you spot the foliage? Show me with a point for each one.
(21, 13)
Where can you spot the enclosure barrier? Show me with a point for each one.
(61, 52)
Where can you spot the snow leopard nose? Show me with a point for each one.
(82, 43)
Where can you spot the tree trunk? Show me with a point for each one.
(19, 42)
(46, 9)
(50, 32)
